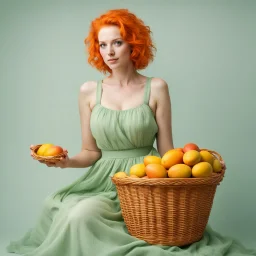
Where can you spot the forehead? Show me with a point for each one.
(109, 33)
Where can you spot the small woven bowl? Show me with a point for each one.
(46, 159)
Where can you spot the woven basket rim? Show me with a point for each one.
(215, 178)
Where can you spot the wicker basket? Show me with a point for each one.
(46, 159)
(167, 211)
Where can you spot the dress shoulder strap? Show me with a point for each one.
(98, 92)
(147, 90)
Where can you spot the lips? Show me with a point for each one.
(111, 60)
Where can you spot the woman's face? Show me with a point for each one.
(113, 49)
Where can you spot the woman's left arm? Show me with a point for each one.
(163, 115)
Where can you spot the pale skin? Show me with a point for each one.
(123, 89)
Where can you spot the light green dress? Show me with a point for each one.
(84, 218)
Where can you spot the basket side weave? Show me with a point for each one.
(175, 215)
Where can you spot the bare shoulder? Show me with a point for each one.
(87, 93)
(159, 83)
(88, 87)
(159, 87)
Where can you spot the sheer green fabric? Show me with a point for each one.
(85, 218)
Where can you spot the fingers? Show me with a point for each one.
(59, 164)
(51, 164)
(47, 163)
(31, 146)
(62, 163)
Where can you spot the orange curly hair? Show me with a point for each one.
(133, 31)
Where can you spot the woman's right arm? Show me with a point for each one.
(90, 153)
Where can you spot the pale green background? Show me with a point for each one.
(206, 53)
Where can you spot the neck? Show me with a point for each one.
(124, 76)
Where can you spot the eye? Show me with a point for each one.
(102, 45)
(118, 42)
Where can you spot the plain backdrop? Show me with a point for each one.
(205, 52)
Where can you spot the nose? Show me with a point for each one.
(111, 51)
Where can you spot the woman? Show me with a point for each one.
(121, 116)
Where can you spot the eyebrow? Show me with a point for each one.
(112, 40)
